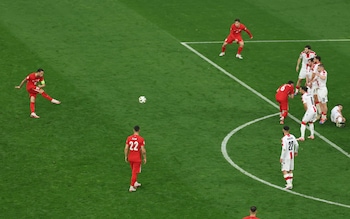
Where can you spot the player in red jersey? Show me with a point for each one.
(235, 35)
(134, 149)
(282, 94)
(252, 213)
(35, 83)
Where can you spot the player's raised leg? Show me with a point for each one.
(46, 96)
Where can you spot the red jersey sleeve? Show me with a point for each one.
(246, 30)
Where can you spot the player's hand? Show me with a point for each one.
(295, 154)
(251, 37)
(281, 160)
(17, 87)
(297, 69)
(144, 160)
(126, 159)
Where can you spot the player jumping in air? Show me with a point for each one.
(235, 35)
(35, 83)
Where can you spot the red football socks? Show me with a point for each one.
(239, 50)
(32, 107)
(45, 95)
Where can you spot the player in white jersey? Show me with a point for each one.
(337, 116)
(314, 84)
(309, 72)
(290, 148)
(304, 56)
(322, 92)
(310, 114)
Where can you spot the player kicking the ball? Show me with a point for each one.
(35, 83)
(235, 35)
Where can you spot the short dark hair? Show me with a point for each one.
(39, 70)
(308, 46)
(286, 128)
(237, 19)
(253, 209)
(321, 65)
(304, 88)
(136, 128)
(339, 104)
(318, 57)
(311, 59)
(290, 82)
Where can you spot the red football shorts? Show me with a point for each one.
(283, 104)
(135, 167)
(33, 91)
(230, 38)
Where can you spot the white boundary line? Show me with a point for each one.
(261, 96)
(275, 41)
(227, 157)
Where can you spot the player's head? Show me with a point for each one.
(318, 58)
(237, 22)
(290, 82)
(320, 67)
(136, 128)
(285, 129)
(40, 72)
(303, 89)
(340, 106)
(253, 210)
(307, 48)
(311, 60)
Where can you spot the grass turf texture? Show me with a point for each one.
(100, 57)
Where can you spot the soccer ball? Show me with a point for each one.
(340, 123)
(142, 99)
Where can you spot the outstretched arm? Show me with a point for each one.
(21, 84)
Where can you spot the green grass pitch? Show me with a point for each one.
(100, 56)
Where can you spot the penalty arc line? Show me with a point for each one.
(229, 160)
(260, 95)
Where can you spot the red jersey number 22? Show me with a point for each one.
(133, 145)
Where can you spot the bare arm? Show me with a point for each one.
(305, 106)
(321, 76)
(143, 151)
(21, 84)
(126, 152)
(298, 64)
(42, 84)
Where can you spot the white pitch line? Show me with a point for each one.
(227, 157)
(275, 41)
(260, 95)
